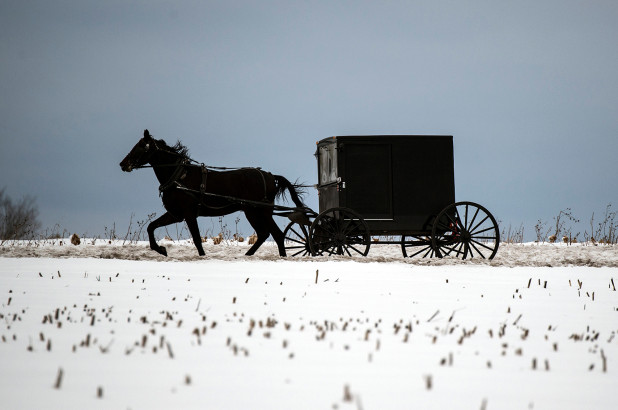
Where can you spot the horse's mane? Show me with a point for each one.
(179, 148)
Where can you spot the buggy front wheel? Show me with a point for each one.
(417, 246)
(339, 231)
(297, 239)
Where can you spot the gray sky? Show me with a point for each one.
(528, 89)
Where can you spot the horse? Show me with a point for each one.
(189, 190)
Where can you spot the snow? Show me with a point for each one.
(127, 328)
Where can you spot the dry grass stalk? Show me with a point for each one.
(433, 316)
(428, 382)
(59, 378)
(347, 396)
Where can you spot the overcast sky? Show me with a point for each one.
(528, 89)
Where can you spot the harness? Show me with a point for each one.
(180, 173)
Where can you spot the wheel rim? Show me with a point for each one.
(296, 242)
(339, 231)
(417, 247)
(465, 230)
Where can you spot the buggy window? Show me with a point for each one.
(327, 163)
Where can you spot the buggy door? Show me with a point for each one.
(368, 180)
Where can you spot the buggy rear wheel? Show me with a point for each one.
(465, 230)
(297, 239)
(339, 231)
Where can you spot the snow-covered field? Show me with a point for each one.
(111, 326)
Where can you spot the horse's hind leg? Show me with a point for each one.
(278, 236)
(256, 219)
(195, 233)
(163, 220)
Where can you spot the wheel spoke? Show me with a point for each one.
(357, 251)
(302, 235)
(483, 245)
(303, 251)
(477, 251)
(450, 249)
(457, 249)
(474, 217)
(428, 248)
(295, 240)
(295, 247)
(481, 231)
(480, 223)
(295, 232)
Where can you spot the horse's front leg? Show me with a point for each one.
(195, 233)
(163, 220)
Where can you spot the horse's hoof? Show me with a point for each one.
(162, 251)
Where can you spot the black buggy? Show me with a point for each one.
(391, 189)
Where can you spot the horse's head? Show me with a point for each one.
(140, 154)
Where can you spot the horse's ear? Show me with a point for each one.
(146, 134)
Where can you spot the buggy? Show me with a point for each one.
(391, 189)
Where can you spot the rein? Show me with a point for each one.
(192, 162)
(187, 160)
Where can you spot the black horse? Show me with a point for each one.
(189, 190)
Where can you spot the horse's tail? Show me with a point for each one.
(295, 189)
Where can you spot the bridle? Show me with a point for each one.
(146, 150)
